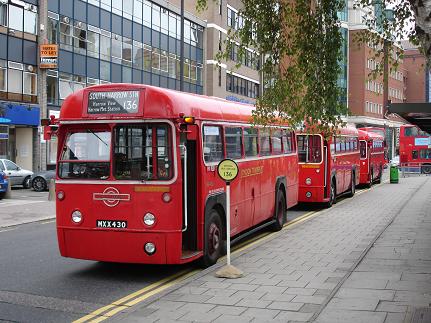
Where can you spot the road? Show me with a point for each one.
(38, 285)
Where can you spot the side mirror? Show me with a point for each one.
(49, 131)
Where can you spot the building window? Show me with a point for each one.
(116, 48)
(105, 70)
(16, 18)
(147, 58)
(117, 7)
(219, 76)
(3, 75)
(127, 51)
(146, 13)
(137, 11)
(128, 9)
(52, 30)
(30, 21)
(66, 38)
(80, 37)
(52, 87)
(105, 45)
(138, 55)
(238, 85)
(172, 66)
(3, 14)
(30, 84)
(15, 78)
(65, 85)
(93, 39)
(155, 60)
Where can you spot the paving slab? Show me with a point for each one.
(364, 260)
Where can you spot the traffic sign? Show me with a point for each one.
(227, 169)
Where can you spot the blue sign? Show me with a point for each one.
(20, 114)
(236, 99)
(422, 141)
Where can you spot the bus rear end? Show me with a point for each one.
(312, 157)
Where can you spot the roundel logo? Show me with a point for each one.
(111, 196)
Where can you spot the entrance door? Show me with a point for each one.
(189, 165)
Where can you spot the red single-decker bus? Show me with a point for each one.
(328, 167)
(372, 149)
(137, 175)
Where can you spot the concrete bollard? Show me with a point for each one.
(8, 194)
(51, 194)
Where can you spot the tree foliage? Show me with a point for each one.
(300, 48)
(300, 45)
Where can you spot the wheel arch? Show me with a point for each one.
(217, 202)
(281, 184)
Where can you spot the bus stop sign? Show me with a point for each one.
(227, 170)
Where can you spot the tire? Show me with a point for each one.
(39, 184)
(280, 212)
(332, 195)
(26, 183)
(352, 185)
(426, 169)
(214, 234)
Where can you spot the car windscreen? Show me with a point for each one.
(86, 154)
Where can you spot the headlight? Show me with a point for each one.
(76, 216)
(150, 248)
(308, 181)
(60, 195)
(308, 194)
(149, 219)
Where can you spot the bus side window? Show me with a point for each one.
(250, 142)
(276, 141)
(414, 154)
(213, 144)
(233, 138)
(264, 145)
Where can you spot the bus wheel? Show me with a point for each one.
(332, 196)
(213, 239)
(426, 169)
(352, 186)
(280, 212)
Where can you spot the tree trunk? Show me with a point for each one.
(422, 12)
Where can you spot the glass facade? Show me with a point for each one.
(129, 41)
(342, 79)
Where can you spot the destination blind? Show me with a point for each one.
(121, 102)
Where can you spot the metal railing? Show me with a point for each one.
(415, 168)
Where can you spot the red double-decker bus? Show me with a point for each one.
(372, 149)
(137, 175)
(415, 148)
(328, 167)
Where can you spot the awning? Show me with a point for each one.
(418, 114)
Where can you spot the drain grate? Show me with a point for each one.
(422, 315)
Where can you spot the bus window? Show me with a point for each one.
(363, 149)
(135, 156)
(410, 131)
(250, 142)
(233, 137)
(414, 154)
(264, 145)
(276, 141)
(287, 141)
(213, 145)
(86, 155)
(425, 153)
(309, 148)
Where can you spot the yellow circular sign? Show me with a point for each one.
(227, 169)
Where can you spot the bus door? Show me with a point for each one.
(188, 152)
(326, 173)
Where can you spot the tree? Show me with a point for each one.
(300, 46)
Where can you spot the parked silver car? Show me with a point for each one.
(40, 180)
(16, 175)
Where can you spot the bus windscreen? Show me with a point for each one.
(309, 148)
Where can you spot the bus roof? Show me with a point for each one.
(157, 103)
(367, 135)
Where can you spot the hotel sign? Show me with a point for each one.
(48, 56)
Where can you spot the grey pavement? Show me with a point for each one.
(368, 259)
(25, 206)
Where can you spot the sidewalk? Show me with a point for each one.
(347, 264)
(16, 211)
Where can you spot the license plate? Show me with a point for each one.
(111, 224)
